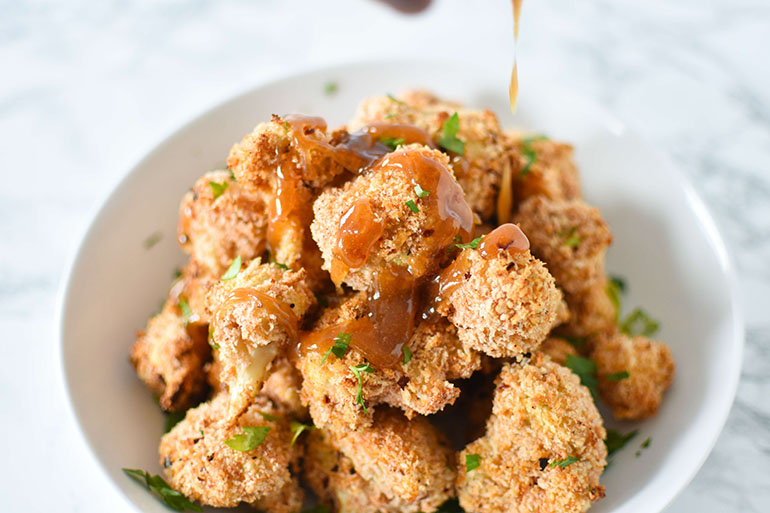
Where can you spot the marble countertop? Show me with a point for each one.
(86, 88)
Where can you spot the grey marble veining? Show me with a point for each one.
(87, 87)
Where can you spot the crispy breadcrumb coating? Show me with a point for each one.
(394, 466)
(541, 415)
(542, 167)
(590, 311)
(570, 237)
(216, 230)
(502, 306)
(478, 170)
(198, 463)
(254, 317)
(557, 349)
(169, 355)
(408, 239)
(650, 367)
(421, 386)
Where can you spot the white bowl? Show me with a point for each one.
(666, 246)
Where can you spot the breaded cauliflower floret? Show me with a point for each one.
(502, 306)
(542, 167)
(219, 220)
(557, 349)
(169, 355)
(479, 169)
(570, 237)
(650, 369)
(422, 386)
(198, 463)
(255, 317)
(541, 417)
(388, 232)
(590, 311)
(394, 466)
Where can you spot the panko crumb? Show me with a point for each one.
(198, 463)
(219, 220)
(590, 311)
(650, 367)
(422, 386)
(570, 237)
(503, 306)
(394, 466)
(541, 415)
(542, 167)
(478, 171)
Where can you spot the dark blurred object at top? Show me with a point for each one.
(408, 6)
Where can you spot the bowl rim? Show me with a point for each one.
(696, 203)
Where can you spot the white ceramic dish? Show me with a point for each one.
(666, 246)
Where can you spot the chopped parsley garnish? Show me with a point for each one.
(644, 445)
(392, 142)
(269, 417)
(233, 270)
(177, 273)
(152, 239)
(297, 428)
(407, 354)
(617, 376)
(232, 175)
(391, 115)
(619, 283)
(286, 127)
(340, 346)
(566, 462)
(616, 440)
(585, 368)
(330, 88)
(639, 323)
(357, 370)
(251, 437)
(614, 292)
(570, 239)
(472, 461)
(184, 307)
(448, 139)
(282, 266)
(395, 99)
(412, 206)
(172, 419)
(470, 245)
(217, 189)
(534, 138)
(158, 486)
(420, 192)
(531, 156)
(213, 344)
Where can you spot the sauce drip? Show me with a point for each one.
(358, 232)
(250, 297)
(507, 237)
(513, 88)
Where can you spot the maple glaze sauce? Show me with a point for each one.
(250, 297)
(513, 87)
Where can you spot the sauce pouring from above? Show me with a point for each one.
(513, 88)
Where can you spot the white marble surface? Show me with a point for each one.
(87, 87)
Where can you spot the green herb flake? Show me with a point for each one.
(616, 440)
(233, 270)
(566, 462)
(172, 419)
(585, 368)
(297, 428)
(448, 139)
(232, 175)
(159, 487)
(472, 461)
(340, 346)
(217, 189)
(282, 266)
(569, 238)
(529, 139)
(614, 292)
(213, 344)
(470, 245)
(639, 323)
(392, 142)
(152, 239)
(407, 354)
(646, 443)
(412, 206)
(391, 115)
(420, 192)
(330, 88)
(271, 418)
(393, 98)
(617, 376)
(251, 437)
(184, 307)
(357, 370)
(531, 156)
(619, 283)
(177, 273)
(286, 127)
